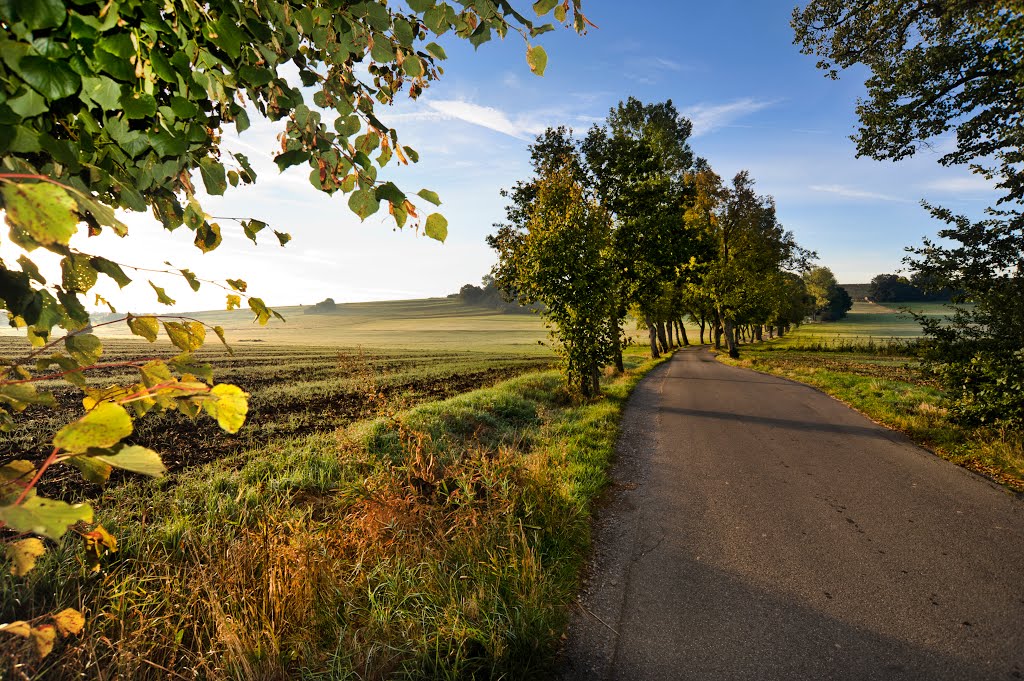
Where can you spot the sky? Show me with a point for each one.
(756, 103)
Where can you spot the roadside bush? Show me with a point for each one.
(988, 389)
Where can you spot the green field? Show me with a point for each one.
(866, 322)
(428, 324)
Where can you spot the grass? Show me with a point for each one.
(890, 390)
(867, 324)
(438, 540)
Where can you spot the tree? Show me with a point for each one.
(638, 163)
(829, 300)
(561, 259)
(954, 65)
(935, 67)
(752, 251)
(109, 106)
(978, 354)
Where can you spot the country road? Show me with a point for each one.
(762, 530)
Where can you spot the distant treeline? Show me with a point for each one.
(325, 306)
(892, 288)
(488, 295)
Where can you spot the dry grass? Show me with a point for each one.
(441, 542)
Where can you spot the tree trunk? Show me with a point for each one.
(669, 332)
(702, 324)
(682, 332)
(617, 345)
(758, 333)
(653, 334)
(782, 331)
(718, 331)
(730, 339)
(661, 336)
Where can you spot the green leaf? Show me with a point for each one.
(191, 278)
(111, 269)
(52, 79)
(84, 348)
(213, 176)
(43, 210)
(219, 330)
(77, 274)
(208, 237)
(237, 284)
(13, 478)
(436, 51)
(282, 237)
(161, 295)
(138, 105)
(147, 327)
(30, 268)
(228, 36)
(420, 6)
(230, 406)
(347, 125)
(104, 426)
(542, 7)
(363, 203)
(412, 66)
(186, 336)
(21, 395)
(47, 517)
(291, 158)
(38, 14)
(252, 228)
(430, 196)
(95, 471)
(437, 227)
(133, 458)
(260, 309)
(28, 104)
(537, 58)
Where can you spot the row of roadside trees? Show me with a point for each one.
(628, 221)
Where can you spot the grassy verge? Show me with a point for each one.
(890, 391)
(440, 542)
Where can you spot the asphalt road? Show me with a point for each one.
(761, 530)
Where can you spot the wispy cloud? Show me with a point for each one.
(659, 63)
(854, 193)
(520, 127)
(974, 184)
(707, 118)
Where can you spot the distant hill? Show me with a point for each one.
(858, 292)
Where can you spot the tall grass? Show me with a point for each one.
(441, 542)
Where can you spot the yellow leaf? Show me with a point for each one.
(24, 554)
(69, 621)
(44, 635)
(230, 406)
(18, 628)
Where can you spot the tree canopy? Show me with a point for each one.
(939, 67)
(936, 66)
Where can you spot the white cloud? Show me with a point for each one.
(973, 184)
(854, 193)
(707, 118)
(520, 127)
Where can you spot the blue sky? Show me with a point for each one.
(755, 101)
